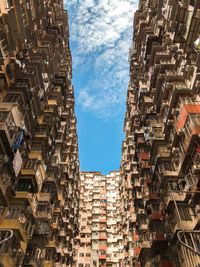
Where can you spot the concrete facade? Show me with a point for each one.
(161, 150)
(101, 235)
(39, 166)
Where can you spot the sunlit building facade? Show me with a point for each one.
(161, 151)
(145, 215)
(39, 167)
(101, 236)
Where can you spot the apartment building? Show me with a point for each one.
(101, 236)
(161, 151)
(39, 166)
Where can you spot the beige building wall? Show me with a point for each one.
(101, 235)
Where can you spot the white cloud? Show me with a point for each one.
(86, 99)
(102, 32)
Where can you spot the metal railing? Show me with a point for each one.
(187, 238)
(5, 235)
(190, 240)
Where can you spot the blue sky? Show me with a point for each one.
(100, 39)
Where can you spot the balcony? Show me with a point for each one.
(36, 152)
(42, 133)
(163, 152)
(35, 171)
(140, 139)
(145, 165)
(102, 257)
(33, 257)
(181, 217)
(57, 208)
(95, 211)
(52, 243)
(95, 227)
(44, 208)
(187, 107)
(173, 196)
(9, 249)
(95, 235)
(102, 236)
(17, 227)
(28, 197)
(95, 245)
(103, 247)
(86, 240)
(52, 102)
(9, 134)
(6, 182)
(144, 155)
(167, 169)
(112, 239)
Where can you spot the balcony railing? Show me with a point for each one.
(33, 257)
(190, 240)
(44, 211)
(9, 246)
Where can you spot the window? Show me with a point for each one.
(12, 98)
(184, 213)
(3, 115)
(49, 254)
(30, 164)
(42, 131)
(14, 212)
(81, 254)
(102, 243)
(42, 207)
(87, 254)
(24, 185)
